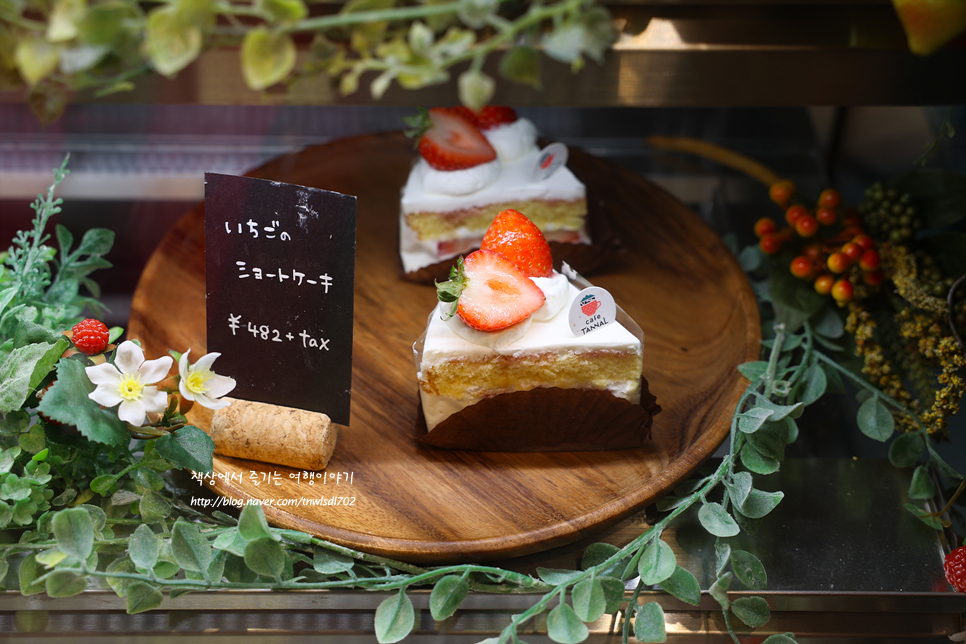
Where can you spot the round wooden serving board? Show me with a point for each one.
(674, 277)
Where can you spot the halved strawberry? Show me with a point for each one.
(494, 115)
(453, 142)
(489, 292)
(518, 239)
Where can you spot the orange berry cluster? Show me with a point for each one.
(830, 245)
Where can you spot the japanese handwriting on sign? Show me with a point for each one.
(298, 277)
(251, 227)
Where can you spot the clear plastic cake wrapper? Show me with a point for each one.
(545, 419)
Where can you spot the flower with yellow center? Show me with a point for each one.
(202, 385)
(129, 384)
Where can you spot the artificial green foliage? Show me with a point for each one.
(70, 45)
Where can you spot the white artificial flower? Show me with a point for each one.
(202, 385)
(129, 382)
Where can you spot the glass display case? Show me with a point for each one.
(824, 93)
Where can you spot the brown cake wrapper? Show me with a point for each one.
(546, 419)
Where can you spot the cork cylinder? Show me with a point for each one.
(272, 434)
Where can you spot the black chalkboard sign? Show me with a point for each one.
(280, 262)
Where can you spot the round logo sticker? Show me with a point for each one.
(551, 158)
(593, 308)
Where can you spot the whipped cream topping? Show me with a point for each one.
(512, 140)
(458, 182)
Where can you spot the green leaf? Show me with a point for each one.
(649, 624)
(22, 371)
(282, 10)
(564, 626)
(921, 487)
(103, 484)
(719, 590)
(815, 384)
(684, 586)
(555, 576)
(906, 450)
(717, 521)
(613, 593)
(141, 597)
(750, 258)
(780, 638)
(448, 593)
(190, 548)
(188, 448)
(751, 421)
(739, 486)
(779, 412)
(36, 58)
(793, 300)
(8, 457)
(830, 324)
(144, 547)
(253, 525)
(267, 57)
(594, 555)
(753, 611)
(33, 441)
(565, 44)
(588, 600)
(327, 562)
(753, 370)
(265, 556)
(756, 461)
(657, 563)
(395, 618)
(760, 503)
(521, 64)
(930, 520)
(153, 507)
(65, 583)
(74, 532)
(475, 88)
(28, 573)
(67, 402)
(172, 41)
(748, 570)
(770, 441)
(722, 555)
(15, 422)
(230, 541)
(874, 420)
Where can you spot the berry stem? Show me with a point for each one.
(718, 154)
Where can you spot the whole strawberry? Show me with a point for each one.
(90, 336)
(518, 239)
(492, 116)
(955, 567)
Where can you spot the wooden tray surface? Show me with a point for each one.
(674, 277)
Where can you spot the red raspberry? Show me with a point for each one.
(90, 336)
(955, 567)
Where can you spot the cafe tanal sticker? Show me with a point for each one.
(593, 308)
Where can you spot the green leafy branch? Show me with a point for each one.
(75, 46)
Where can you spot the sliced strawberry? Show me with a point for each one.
(493, 115)
(490, 292)
(453, 142)
(518, 239)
